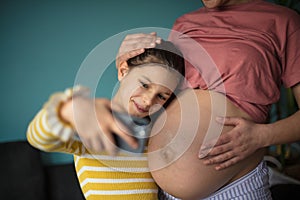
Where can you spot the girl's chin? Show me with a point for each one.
(139, 115)
(134, 111)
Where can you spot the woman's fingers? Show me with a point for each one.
(215, 146)
(128, 55)
(144, 38)
(134, 44)
(219, 149)
(228, 163)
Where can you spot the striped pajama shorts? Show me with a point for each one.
(252, 186)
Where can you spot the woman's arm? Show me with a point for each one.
(286, 130)
(247, 137)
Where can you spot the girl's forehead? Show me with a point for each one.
(157, 74)
(152, 65)
(154, 69)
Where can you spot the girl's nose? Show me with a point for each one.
(148, 98)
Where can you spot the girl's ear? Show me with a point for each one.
(123, 70)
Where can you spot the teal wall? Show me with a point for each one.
(43, 44)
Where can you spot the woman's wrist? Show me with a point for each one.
(265, 136)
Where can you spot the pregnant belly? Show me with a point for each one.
(177, 137)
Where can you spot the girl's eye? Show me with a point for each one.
(144, 85)
(162, 97)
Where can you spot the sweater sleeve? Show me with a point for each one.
(40, 135)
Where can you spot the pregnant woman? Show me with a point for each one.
(253, 45)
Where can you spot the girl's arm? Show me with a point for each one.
(40, 135)
(71, 114)
(49, 131)
(95, 124)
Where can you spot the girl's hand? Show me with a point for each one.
(233, 146)
(135, 44)
(94, 123)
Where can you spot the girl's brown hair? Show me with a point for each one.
(164, 53)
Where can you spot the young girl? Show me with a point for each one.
(146, 80)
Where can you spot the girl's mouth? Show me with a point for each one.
(140, 108)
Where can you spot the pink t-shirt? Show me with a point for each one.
(246, 51)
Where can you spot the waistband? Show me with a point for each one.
(254, 185)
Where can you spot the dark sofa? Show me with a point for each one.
(23, 175)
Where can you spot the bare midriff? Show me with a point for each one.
(176, 140)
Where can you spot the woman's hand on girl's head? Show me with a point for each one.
(95, 125)
(233, 146)
(135, 44)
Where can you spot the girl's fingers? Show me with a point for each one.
(123, 133)
(109, 144)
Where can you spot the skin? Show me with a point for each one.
(143, 87)
(246, 137)
(141, 90)
(170, 154)
(235, 153)
(168, 159)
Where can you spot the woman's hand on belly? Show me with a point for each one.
(235, 145)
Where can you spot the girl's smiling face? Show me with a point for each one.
(146, 88)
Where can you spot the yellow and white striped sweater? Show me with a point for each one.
(101, 176)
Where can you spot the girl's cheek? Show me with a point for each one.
(130, 92)
(137, 92)
(154, 108)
